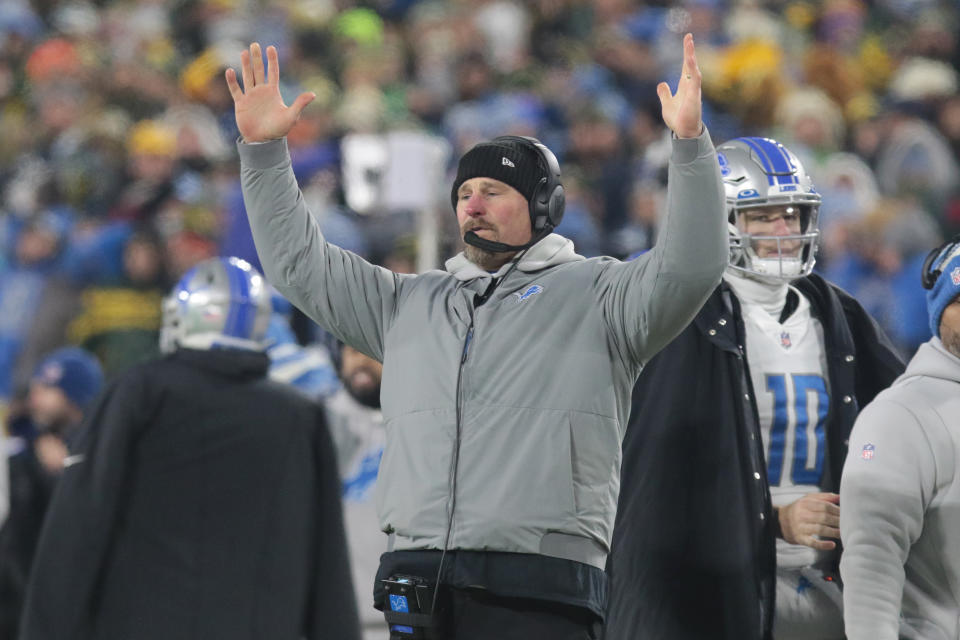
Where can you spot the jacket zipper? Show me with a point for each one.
(466, 346)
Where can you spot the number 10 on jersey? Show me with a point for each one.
(797, 435)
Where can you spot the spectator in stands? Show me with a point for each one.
(36, 299)
(61, 390)
(120, 321)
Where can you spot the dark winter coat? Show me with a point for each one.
(693, 554)
(203, 503)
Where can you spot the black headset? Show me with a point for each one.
(929, 274)
(548, 200)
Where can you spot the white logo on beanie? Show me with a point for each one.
(51, 374)
(507, 162)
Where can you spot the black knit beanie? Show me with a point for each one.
(508, 161)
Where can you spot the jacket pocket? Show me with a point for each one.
(595, 459)
(413, 483)
(515, 479)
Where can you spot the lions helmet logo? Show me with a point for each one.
(724, 165)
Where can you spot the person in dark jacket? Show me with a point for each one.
(64, 385)
(203, 500)
(728, 513)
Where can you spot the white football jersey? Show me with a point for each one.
(788, 369)
(359, 436)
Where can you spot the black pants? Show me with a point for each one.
(476, 614)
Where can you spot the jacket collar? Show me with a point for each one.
(232, 363)
(771, 296)
(718, 319)
(551, 251)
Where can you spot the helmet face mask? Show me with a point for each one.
(221, 303)
(773, 210)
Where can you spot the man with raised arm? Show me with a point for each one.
(506, 376)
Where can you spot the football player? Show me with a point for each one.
(738, 432)
(203, 499)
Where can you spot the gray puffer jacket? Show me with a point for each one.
(900, 506)
(547, 369)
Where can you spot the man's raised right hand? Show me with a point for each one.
(259, 109)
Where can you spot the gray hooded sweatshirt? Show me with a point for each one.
(545, 366)
(900, 506)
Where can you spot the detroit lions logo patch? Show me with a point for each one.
(531, 291)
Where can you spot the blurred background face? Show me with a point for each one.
(35, 245)
(361, 376)
(142, 261)
(153, 166)
(50, 408)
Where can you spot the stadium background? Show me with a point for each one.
(118, 169)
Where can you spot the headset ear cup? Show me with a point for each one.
(548, 200)
(928, 277)
(547, 210)
(539, 207)
(935, 260)
(556, 206)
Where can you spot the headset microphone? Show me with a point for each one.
(470, 237)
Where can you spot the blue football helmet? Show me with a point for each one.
(221, 303)
(759, 173)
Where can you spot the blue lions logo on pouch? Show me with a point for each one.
(531, 291)
(399, 604)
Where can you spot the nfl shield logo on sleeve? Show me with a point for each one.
(955, 276)
(867, 452)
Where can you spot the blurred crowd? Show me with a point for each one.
(118, 169)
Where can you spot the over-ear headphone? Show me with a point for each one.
(934, 261)
(548, 201)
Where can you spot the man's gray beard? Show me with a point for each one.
(486, 260)
(478, 256)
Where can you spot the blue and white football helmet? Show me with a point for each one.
(221, 303)
(757, 173)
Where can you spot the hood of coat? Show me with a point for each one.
(231, 363)
(551, 251)
(934, 361)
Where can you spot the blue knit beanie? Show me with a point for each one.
(75, 371)
(947, 286)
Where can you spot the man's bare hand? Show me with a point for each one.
(815, 514)
(682, 112)
(259, 109)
